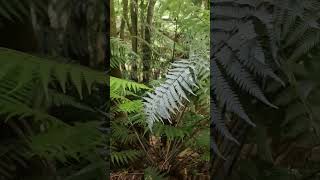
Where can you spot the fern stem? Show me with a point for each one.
(142, 145)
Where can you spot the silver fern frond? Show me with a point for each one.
(169, 96)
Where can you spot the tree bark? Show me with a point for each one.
(142, 18)
(123, 18)
(147, 51)
(124, 21)
(134, 34)
(115, 72)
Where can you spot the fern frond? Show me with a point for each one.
(59, 99)
(125, 156)
(224, 93)
(240, 56)
(67, 141)
(15, 10)
(45, 70)
(122, 134)
(170, 131)
(11, 107)
(169, 96)
(130, 106)
(122, 84)
(218, 122)
(241, 76)
(310, 41)
(152, 173)
(12, 155)
(120, 52)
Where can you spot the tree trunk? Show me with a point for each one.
(206, 4)
(142, 18)
(115, 72)
(123, 18)
(134, 34)
(147, 51)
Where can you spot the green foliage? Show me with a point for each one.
(170, 131)
(31, 85)
(67, 141)
(153, 174)
(121, 52)
(124, 157)
(33, 68)
(122, 84)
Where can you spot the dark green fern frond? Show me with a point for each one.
(59, 99)
(12, 156)
(11, 108)
(122, 134)
(310, 40)
(170, 131)
(125, 156)
(19, 9)
(152, 173)
(67, 141)
(31, 68)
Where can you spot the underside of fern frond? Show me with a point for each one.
(169, 97)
